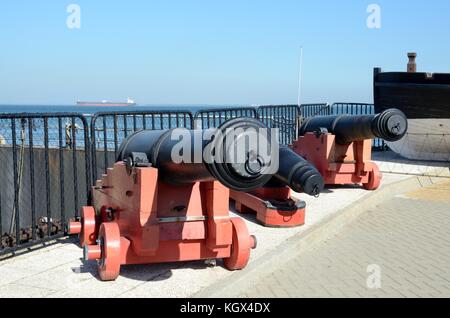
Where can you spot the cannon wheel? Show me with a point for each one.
(88, 233)
(240, 247)
(374, 179)
(109, 263)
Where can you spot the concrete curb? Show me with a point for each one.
(304, 241)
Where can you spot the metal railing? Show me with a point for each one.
(325, 109)
(211, 118)
(45, 176)
(311, 110)
(352, 109)
(283, 117)
(109, 129)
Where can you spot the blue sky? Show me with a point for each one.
(211, 52)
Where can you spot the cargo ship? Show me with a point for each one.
(129, 102)
(425, 99)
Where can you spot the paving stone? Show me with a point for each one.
(408, 239)
(15, 290)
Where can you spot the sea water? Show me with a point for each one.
(89, 110)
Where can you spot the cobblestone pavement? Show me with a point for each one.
(399, 248)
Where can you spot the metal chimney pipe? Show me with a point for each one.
(412, 66)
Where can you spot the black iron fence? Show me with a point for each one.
(325, 109)
(109, 129)
(311, 110)
(283, 117)
(211, 118)
(45, 176)
(352, 109)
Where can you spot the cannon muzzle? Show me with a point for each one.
(298, 174)
(390, 125)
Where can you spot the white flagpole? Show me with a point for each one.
(300, 77)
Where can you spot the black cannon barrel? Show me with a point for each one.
(297, 173)
(390, 125)
(202, 164)
(247, 175)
